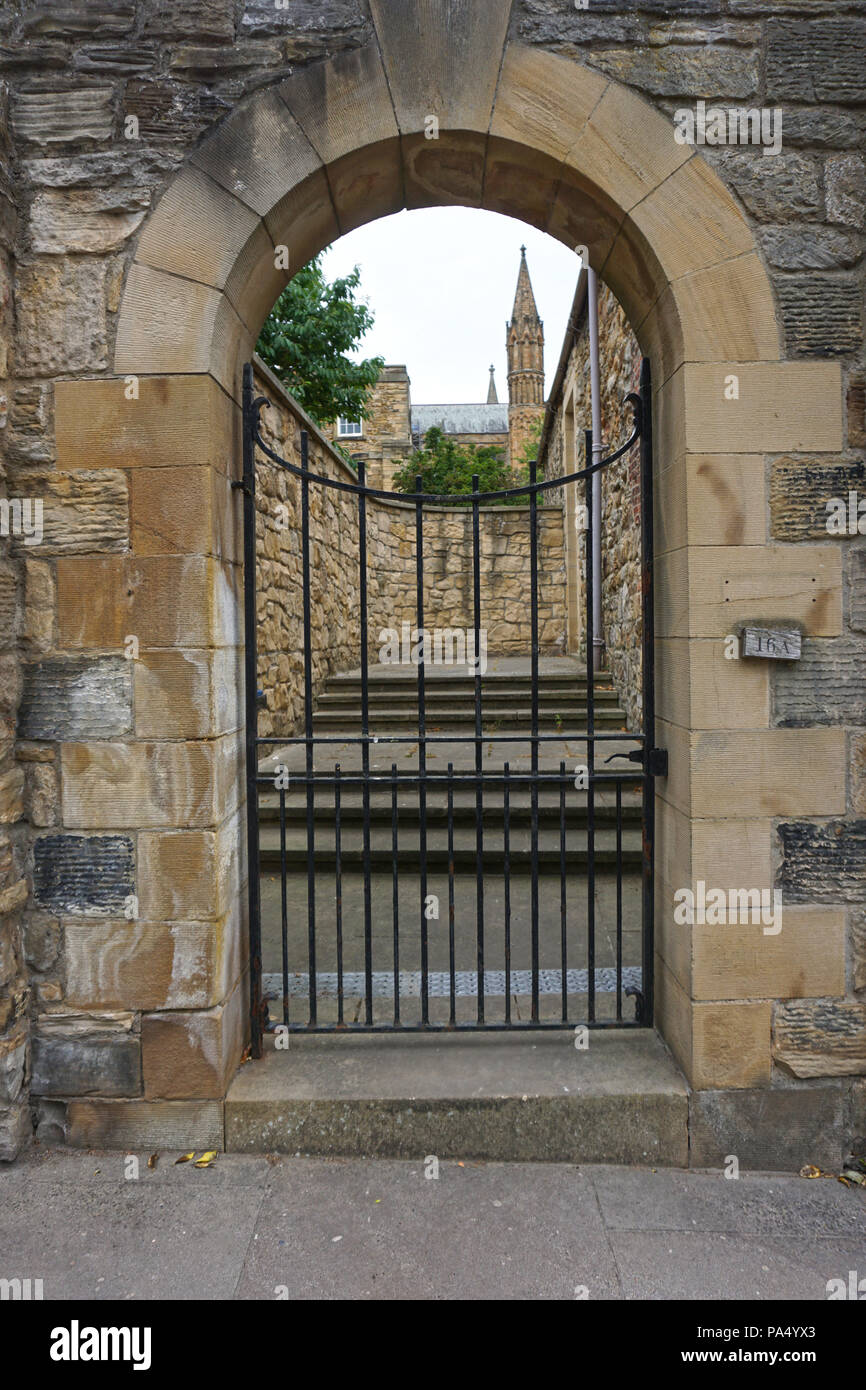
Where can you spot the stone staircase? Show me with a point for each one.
(450, 709)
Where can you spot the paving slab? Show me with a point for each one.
(112, 1238)
(719, 1267)
(753, 1204)
(380, 1230)
(267, 1228)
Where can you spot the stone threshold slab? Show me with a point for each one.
(497, 1097)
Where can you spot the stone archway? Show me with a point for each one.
(342, 142)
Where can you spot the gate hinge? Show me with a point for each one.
(241, 486)
(657, 760)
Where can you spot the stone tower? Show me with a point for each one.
(525, 365)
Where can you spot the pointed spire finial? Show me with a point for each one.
(492, 393)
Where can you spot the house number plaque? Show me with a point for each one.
(773, 644)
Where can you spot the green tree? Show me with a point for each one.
(447, 468)
(307, 338)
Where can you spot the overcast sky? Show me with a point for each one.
(441, 283)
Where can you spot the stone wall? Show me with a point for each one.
(391, 569)
(107, 103)
(386, 440)
(14, 989)
(619, 374)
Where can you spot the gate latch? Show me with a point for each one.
(657, 760)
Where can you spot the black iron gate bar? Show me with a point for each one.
(652, 763)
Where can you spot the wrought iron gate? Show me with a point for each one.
(510, 810)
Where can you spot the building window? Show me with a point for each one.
(350, 428)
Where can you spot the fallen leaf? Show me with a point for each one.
(206, 1159)
(810, 1171)
(184, 1158)
(859, 1178)
(153, 1160)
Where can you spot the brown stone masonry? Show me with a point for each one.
(391, 569)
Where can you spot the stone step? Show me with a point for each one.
(455, 678)
(384, 693)
(525, 1096)
(495, 719)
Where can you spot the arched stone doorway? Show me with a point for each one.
(429, 113)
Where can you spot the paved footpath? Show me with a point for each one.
(260, 1228)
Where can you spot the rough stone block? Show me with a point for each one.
(204, 21)
(858, 1119)
(13, 1064)
(845, 180)
(769, 1130)
(682, 71)
(858, 951)
(85, 512)
(857, 412)
(307, 32)
(80, 1056)
(76, 698)
(773, 187)
(823, 1037)
(90, 875)
(64, 118)
(809, 247)
(801, 491)
(816, 60)
(15, 1131)
(823, 863)
(98, 19)
(826, 686)
(42, 937)
(823, 315)
(85, 220)
(61, 317)
(857, 590)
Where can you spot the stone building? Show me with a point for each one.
(562, 451)
(153, 158)
(394, 426)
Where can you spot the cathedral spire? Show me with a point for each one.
(492, 393)
(525, 344)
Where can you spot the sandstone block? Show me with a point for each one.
(84, 1055)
